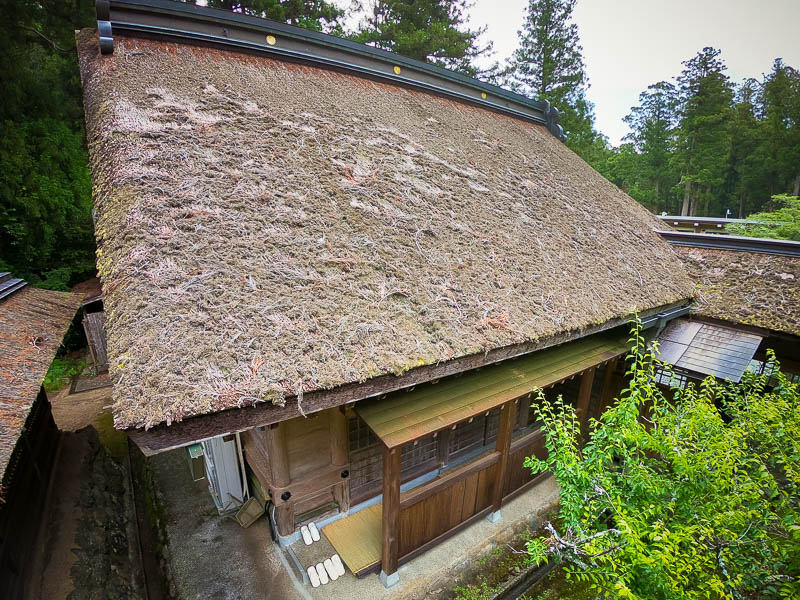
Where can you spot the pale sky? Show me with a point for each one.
(630, 44)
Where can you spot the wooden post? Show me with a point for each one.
(524, 410)
(584, 395)
(279, 468)
(338, 434)
(391, 514)
(608, 385)
(505, 430)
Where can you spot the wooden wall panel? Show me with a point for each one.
(517, 474)
(308, 445)
(444, 510)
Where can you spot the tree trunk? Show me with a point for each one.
(741, 205)
(687, 199)
(796, 186)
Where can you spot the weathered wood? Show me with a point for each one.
(337, 422)
(504, 433)
(435, 486)
(94, 327)
(391, 510)
(584, 396)
(307, 486)
(411, 416)
(163, 438)
(278, 456)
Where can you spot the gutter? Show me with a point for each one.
(178, 21)
(731, 242)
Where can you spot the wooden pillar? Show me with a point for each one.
(279, 469)
(338, 435)
(524, 410)
(584, 395)
(606, 396)
(505, 430)
(444, 446)
(391, 514)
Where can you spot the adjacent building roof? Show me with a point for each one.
(267, 228)
(708, 349)
(90, 290)
(746, 287)
(32, 324)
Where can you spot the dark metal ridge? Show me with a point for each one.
(732, 242)
(199, 24)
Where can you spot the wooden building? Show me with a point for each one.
(747, 302)
(94, 321)
(361, 264)
(32, 324)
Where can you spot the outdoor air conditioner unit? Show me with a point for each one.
(224, 472)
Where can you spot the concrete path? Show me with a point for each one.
(212, 557)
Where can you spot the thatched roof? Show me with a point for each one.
(751, 288)
(32, 324)
(267, 228)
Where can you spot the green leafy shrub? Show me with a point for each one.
(693, 496)
(61, 373)
(782, 223)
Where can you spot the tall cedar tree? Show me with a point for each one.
(549, 65)
(652, 124)
(46, 231)
(780, 148)
(706, 95)
(318, 15)
(433, 31)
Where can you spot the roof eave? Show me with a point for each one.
(163, 438)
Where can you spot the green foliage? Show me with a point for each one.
(782, 223)
(61, 372)
(433, 31)
(693, 496)
(46, 231)
(481, 591)
(549, 65)
(317, 15)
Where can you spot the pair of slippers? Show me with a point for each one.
(328, 570)
(310, 534)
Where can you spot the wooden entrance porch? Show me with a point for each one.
(404, 525)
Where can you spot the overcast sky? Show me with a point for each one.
(630, 44)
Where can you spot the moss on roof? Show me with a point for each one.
(267, 229)
(750, 288)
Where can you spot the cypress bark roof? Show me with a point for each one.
(750, 288)
(266, 229)
(32, 325)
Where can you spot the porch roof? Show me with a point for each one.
(406, 416)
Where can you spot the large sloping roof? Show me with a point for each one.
(32, 324)
(750, 288)
(268, 228)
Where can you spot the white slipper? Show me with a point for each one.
(312, 529)
(332, 571)
(306, 535)
(323, 576)
(312, 575)
(337, 564)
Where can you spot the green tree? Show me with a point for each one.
(706, 95)
(317, 15)
(745, 181)
(549, 65)
(782, 223)
(690, 493)
(780, 148)
(652, 124)
(46, 233)
(434, 31)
